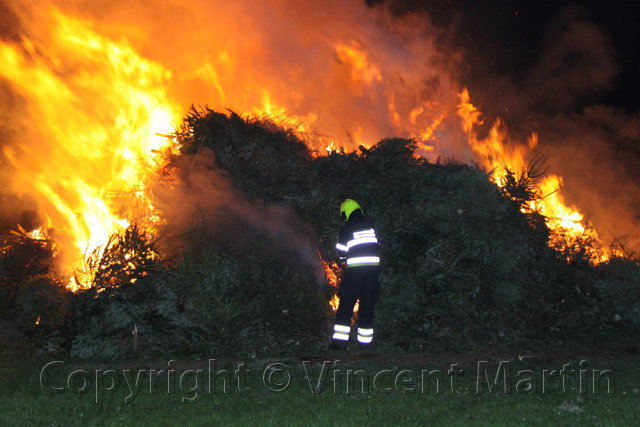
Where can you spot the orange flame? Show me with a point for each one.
(497, 151)
(99, 105)
(99, 89)
(333, 273)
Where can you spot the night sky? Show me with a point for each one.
(509, 35)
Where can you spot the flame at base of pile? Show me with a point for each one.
(333, 272)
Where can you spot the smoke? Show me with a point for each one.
(577, 63)
(596, 152)
(202, 209)
(557, 94)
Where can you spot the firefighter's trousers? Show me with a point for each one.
(358, 283)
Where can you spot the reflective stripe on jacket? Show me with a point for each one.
(358, 243)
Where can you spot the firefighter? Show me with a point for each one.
(358, 250)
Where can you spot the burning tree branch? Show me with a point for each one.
(523, 190)
(124, 258)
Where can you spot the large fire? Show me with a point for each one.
(99, 83)
(498, 152)
(94, 107)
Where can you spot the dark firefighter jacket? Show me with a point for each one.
(357, 242)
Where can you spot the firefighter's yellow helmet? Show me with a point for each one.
(347, 208)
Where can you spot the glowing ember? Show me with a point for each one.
(331, 148)
(37, 234)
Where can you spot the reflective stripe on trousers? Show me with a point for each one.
(341, 332)
(365, 336)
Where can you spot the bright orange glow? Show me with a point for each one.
(497, 152)
(102, 84)
(331, 148)
(361, 70)
(98, 105)
(36, 234)
(269, 110)
(333, 273)
(335, 302)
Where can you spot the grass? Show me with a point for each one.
(396, 396)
